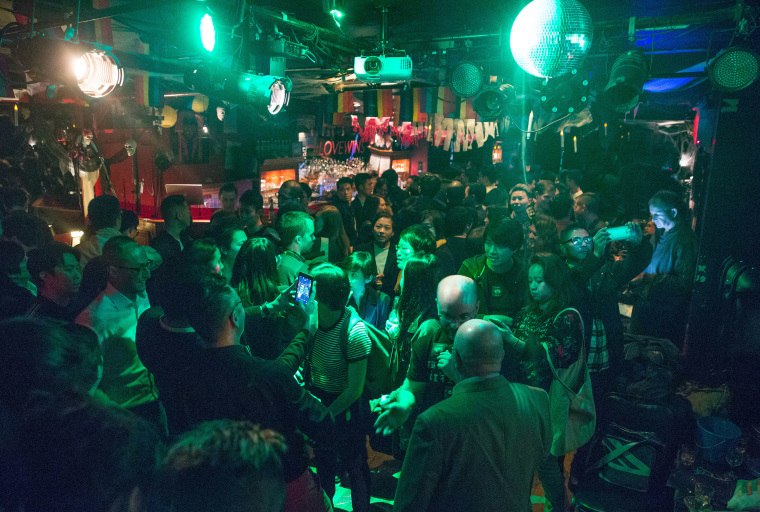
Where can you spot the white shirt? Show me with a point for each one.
(381, 256)
(113, 317)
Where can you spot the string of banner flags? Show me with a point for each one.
(433, 114)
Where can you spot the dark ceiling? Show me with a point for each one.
(677, 34)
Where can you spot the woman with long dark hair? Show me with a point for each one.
(415, 304)
(548, 319)
(255, 278)
(329, 229)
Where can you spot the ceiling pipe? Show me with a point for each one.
(310, 30)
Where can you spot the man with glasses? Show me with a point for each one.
(431, 375)
(55, 270)
(596, 281)
(113, 316)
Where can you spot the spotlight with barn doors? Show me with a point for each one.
(98, 73)
(89, 66)
(268, 92)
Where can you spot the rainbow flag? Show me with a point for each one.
(385, 103)
(147, 89)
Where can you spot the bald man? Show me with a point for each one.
(431, 375)
(477, 450)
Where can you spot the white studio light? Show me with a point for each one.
(98, 73)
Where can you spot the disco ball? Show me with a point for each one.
(551, 37)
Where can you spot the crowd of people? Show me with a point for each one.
(183, 375)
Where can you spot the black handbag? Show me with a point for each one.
(625, 457)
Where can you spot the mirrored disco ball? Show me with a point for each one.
(551, 37)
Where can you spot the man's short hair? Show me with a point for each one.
(571, 174)
(390, 176)
(360, 261)
(505, 232)
(668, 200)
(458, 219)
(564, 235)
(48, 256)
(543, 186)
(561, 205)
(228, 187)
(115, 249)
(85, 455)
(306, 188)
(590, 201)
(491, 173)
(216, 300)
(519, 188)
(15, 198)
(26, 228)
(252, 198)
(103, 212)
(333, 287)
(45, 355)
(171, 204)
(419, 238)
(430, 185)
(455, 193)
(496, 213)
(383, 213)
(129, 220)
(289, 191)
(224, 466)
(345, 180)
(478, 191)
(362, 178)
(497, 197)
(292, 225)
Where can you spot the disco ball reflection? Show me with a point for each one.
(551, 37)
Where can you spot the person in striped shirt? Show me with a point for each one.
(336, 370)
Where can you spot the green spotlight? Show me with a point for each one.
(208, 34)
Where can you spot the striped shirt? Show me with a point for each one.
(330, 357)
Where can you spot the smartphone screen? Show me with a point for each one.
(303, 288)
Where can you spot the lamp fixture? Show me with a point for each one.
(91, 67)
(734, 69)
(627, 78)
(265, 91)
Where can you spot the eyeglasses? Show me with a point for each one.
(145, 266)
(447, 319)
(579, 240)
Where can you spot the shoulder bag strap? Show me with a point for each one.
(554, 371)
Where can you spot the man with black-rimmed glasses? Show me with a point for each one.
(113, 316)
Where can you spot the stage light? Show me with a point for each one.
(207, 33)
(465, 79)
(627, 78)
(551, 37)
(89, 66)
(566, 94)
(98, 73)
(265, 91)
(491, 104)
(734, 69)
